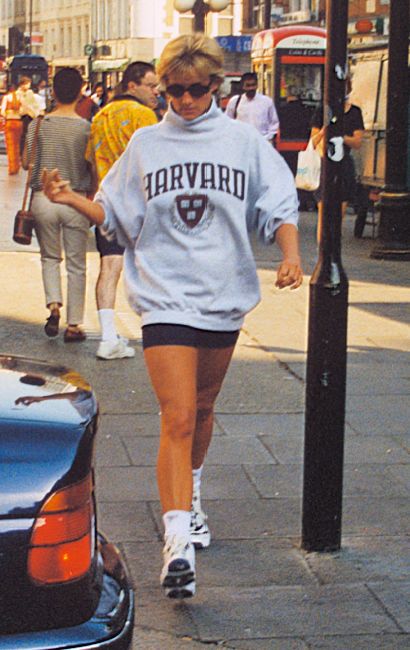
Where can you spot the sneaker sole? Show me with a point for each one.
(179, 584)
(201, 540)
(115, 356)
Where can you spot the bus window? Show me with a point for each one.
(268, 82)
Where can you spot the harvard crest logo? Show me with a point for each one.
(192, 212)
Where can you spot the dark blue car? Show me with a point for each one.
(62, 584)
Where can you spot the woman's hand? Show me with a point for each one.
(27, 400)
(289, 273)
(59, 191)
(55, 188)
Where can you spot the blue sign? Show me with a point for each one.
(235, 43)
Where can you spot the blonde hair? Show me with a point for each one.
(191, 52)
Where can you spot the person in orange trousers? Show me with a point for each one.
(13, 129)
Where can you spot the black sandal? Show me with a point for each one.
(52, 323)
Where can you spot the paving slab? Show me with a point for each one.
(289, 611)
(126, 483)
(396, 599)
(227, 451)
(363, 559)
(287, 450)
(248, 385)
(266, 644)
(237, 564)
(256, 518)
(360, 642)
(159, 614)
(220, 482)
(142, 450)
(251, 424)
(146, 639)
(277, 481)
(374, 449)
(400, 474)
(137, 424)
(361, 380)
(111, 451)
(127, 521)
(376, 516)
(358, 480)
(365, 419)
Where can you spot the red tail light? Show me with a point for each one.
(62, 539)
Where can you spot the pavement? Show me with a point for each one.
(257, 589)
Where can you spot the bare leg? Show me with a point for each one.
(107, 282)
(319, 221)
(173, 371)
(212, 367)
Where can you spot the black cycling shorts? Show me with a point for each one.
(106, 246)
(169, 334)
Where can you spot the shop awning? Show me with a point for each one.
(109, 65)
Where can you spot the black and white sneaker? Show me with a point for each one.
(178, 572)
(199, 529)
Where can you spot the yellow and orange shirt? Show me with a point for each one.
(112, 128)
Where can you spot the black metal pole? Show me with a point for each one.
(267, 18)
(199, 10)
(31, 28)
(394, 228)
(326, 363)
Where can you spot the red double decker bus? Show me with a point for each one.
(289, 62)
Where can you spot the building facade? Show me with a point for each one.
(261, 14)
(102, 36)
(139, 29)
(115, 31)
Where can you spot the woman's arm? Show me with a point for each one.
(59, 191)
(289, 273)
(317, 135)
(354, 141)
(4, 105)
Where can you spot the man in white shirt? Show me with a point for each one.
(254, 108)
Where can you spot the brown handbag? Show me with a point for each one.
(24, 219)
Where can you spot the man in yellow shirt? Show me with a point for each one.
(111, 130)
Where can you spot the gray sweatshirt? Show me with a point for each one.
(182, 199)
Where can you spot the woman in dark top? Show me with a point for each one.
(353, 128)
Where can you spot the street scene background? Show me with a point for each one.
(257, 589)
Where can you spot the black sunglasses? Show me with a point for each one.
(195, 90)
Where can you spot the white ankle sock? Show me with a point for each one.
(177, 522)
(196, 479)
(107, 324)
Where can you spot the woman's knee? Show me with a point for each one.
(178, 422)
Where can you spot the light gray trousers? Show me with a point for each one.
(57, 227)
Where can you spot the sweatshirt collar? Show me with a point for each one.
(204, 122)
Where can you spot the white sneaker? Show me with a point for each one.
(115, 350)
(199, 530)
(178, 572)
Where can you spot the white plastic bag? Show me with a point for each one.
(308, 170)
